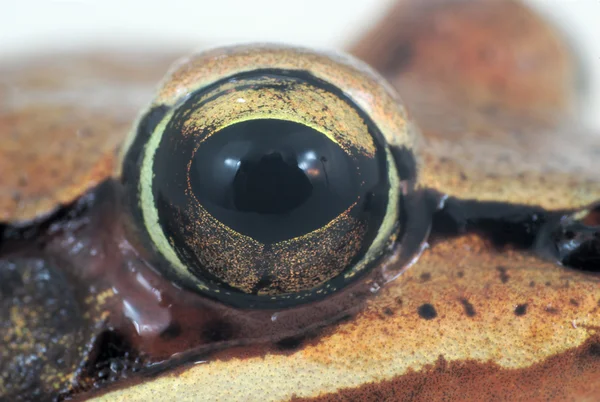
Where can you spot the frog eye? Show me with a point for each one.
(266, 176)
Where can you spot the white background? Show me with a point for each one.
(44, 25)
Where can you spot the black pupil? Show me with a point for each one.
(270, 185)
(272, 179)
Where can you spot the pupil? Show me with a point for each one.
(270, 185)
(272, 179)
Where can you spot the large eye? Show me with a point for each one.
(265, 177)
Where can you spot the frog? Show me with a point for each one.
(415, 219)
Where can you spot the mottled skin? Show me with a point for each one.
(491, 88)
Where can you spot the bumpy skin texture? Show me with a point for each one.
(468, 320)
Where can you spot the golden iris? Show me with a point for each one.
(267, 187)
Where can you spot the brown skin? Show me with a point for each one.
(494, 78)
(81, 135)
(469, 320)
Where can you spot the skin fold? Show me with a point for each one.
(486, 311)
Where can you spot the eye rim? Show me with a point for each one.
(361, 83)
(366, 87)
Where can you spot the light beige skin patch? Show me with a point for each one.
(490, 86)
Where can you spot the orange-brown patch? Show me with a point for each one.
(61, 121)
(492, 88)
(572, 375)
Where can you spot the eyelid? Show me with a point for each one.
(356, 79)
